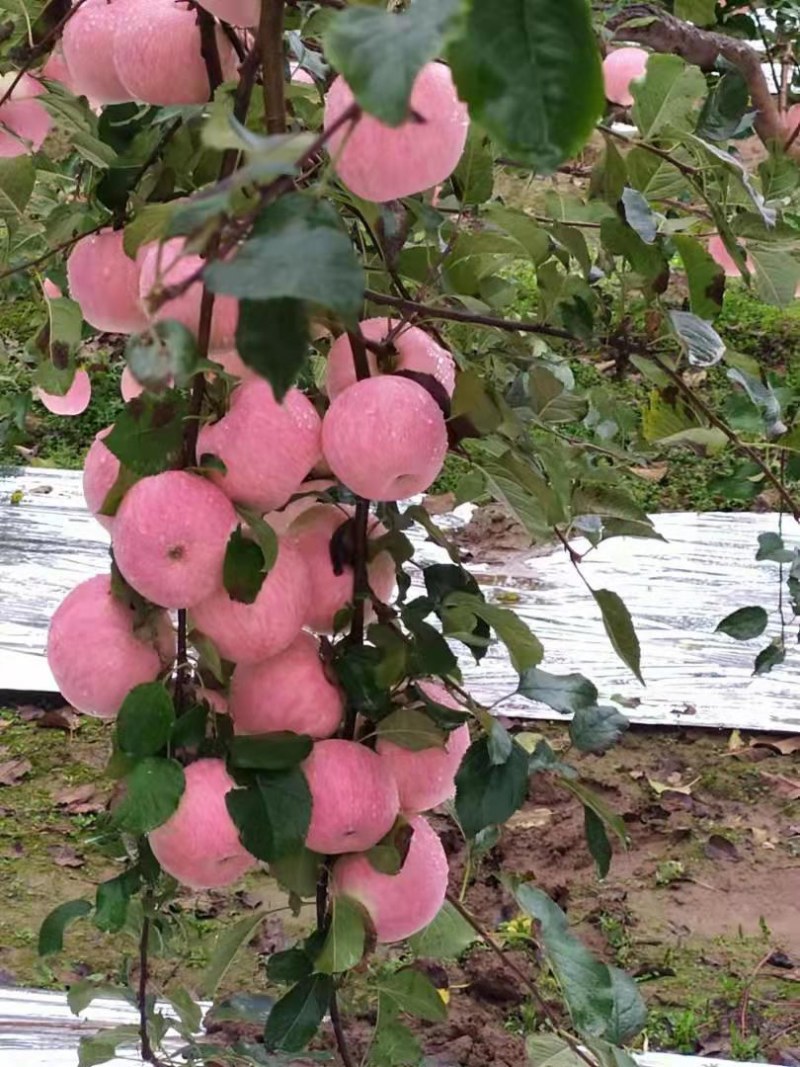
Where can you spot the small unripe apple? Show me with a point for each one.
(170, 536)
(95, 655)
(354, 800)
(379, 162)
(100, 472)
(289, 691)
(427, 778)
(25, 122)
(267, 448)
(168, 263)
(620, 68)
(74, 402)
(312, 531)
(247, 633)
(401, 904)
(385, 438)
(413, 350)
(720, 254)
(199, 843)
(157, 53)
(88, 47)
(105, 282)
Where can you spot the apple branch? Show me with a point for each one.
(270, 36)
(652, 27)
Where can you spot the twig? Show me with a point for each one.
(209, 49)
(270, 36)
(634, 142)
(451, 315)
(148, 1054)
(43, 258)
(39, 48)
(746, 991)
(339, 1034)
(520, 974)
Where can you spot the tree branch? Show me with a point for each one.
(270, 36)
(662, 32)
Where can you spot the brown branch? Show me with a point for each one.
(662, 32)
(43, 258)
(148, 1053)
(209, 49)
(270, 36)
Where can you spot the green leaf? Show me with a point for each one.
(701, 342)
(549, 1050)
(619, 627)
(525, 493)
(647, 260)
(243, 570)
(164, 353)
(700, 12)
(666, 97)
(153, 790)
(393, 1043)
(229, 941)
(296, 1017)
(263, 535)
(380, 54)
(51, 932)
(345, 940)
(771, 656)
(189, 1012)
(473, 178)
(597, 840)
(589, 799)
(705, 277)
(744, 623)
(145, 720)
(289, 966)
(524, 648)
(103, 1046)
(298, 872)
(630, 1011)
(639, 215)
(564, 693)
(272, 337)
(297, 249)
(17, 179)
(112, 899)
(150, 223)
(488, 793)
(726, 113)
(445, 938)
(148, 436)
(412, 992)
(596, 729)
(270, 752)
(776, 274)
(517, 66)
(272, 814)
(412, 729)
(585, 982)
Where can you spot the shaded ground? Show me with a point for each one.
(703, 908)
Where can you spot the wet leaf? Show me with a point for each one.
(346, 938)
(296, 1017)
(744, 623)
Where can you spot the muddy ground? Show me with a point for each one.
(703, 908)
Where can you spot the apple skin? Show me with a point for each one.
(354, 799)
(74, 402)
(379, 162)
(401, 904)
(25, 121)
(285, 437)
(91, 617)
(289, 691)
(170, 536)
(426, 779)
(247, 633)
(415, 350)
(105, 282)
(100, 472)
(199, 844)
(385, 438)
(620, 68)
(88, 51)
(311, 532)
(720, 254)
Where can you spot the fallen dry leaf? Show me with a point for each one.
(656, 472)
(762, 838)
(67, 857)
(14, 770)
(720, 848)
(789, 788)
(439, 505)
(65, 718)
(530, 819)
(671, 786)
(785, 746)
(81, 799)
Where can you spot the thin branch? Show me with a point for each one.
(451, 315)
(339, 1034)
(633, 142)
(39, 49)
(209, 49)
(545, 1008)
(270, 36)
(43, 258)
(148, 1053)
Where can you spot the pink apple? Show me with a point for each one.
(170, 536)
(157, 53)
(74, 402)
(88, 46)
(425, 779)
(300, 76)
(100, 472)
(385, 438)
(413, 350)
(105, 282)
(199, 843)
(354, 800)
(620, 68)
(235, 12)
(720, 254)
(290, 691)
(401, 904)
(167, 263)
(232, 363)
(51, 290)
(378, 162)
(24, 122)
(247, 633)
(312, 531)
(268, 448)
(94, 653)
